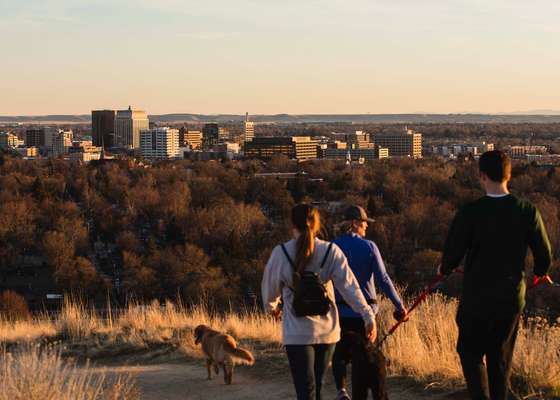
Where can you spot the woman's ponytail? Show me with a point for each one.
(305, 219)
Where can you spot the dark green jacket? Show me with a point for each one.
(494, 234)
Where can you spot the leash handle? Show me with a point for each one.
(539, 280)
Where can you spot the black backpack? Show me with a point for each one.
(310, 294)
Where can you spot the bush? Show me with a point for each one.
(13, 306)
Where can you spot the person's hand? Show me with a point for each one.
(371, 331)
(277, 313)
(401, 315)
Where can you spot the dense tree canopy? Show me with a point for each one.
(207, 228)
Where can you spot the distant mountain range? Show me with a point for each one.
(537, 116)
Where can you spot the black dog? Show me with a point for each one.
(369, 367)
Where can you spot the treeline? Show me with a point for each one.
(206, 228)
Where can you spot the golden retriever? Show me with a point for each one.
(221, 349)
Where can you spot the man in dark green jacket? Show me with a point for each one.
(494, 233)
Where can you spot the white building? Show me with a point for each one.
(128, 124)
(159, 143)
(248, 129)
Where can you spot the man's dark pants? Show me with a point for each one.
(341, 356)
(492, 335)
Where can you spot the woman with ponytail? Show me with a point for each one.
(309, 339)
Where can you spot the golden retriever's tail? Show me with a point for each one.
(231, 347)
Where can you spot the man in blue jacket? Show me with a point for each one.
(365, 261)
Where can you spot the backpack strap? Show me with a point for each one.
(288, 256)
(326, 255)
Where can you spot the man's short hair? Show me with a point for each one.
(496, 165)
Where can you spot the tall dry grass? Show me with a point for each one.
(424, 347)
(35, 373)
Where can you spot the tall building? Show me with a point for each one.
(402, 144)
(128, 124)
(42, 138)
(35, 137)
(249, 129)
(103, 128)
(193, 139)
(61, 142)
(210, 135)
(295, 147)
(159, 143)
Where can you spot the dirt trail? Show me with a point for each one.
(187, 380)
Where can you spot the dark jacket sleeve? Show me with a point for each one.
(457, 242)
(540, 245)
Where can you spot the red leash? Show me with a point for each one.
(536, 282)
(419, 300)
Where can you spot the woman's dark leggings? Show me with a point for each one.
(308, 364)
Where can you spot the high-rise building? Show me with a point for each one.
(210, 135)
(42, 138)
(193, 139)
(61, 142)
(103, 128)
(402, 144)
(128, 124)
(295, 147)
(35, 137)
(159, 143)
(249, 129)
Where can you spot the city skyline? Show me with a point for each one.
(292, 57)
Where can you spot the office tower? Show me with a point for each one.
(103, 128)
(295, 147)
(249, 129)
(402, 144)
(61, 142)
(42, 138)
(128, 124)
(35, 137)
(159, 143)
(193, 139)
(210, 135)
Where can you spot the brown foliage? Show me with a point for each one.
(13, 306)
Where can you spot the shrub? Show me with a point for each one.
(13, 306)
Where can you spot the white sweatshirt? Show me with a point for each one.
(320, 328)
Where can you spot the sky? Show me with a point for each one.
(279, 56)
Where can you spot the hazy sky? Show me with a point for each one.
(279, 56)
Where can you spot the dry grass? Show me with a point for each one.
(423, 348)
(34, 373)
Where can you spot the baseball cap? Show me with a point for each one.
(356, 213)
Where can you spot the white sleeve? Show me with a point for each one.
(271, 281)
(347, 284)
